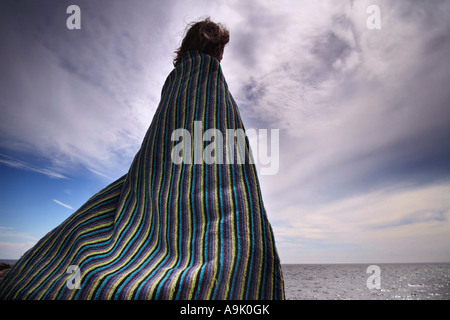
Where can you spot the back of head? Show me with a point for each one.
(204, 36)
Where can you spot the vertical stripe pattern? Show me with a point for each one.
(167, 230)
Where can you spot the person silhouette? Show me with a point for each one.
(166, 230)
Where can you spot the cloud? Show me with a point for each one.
(62, 204)
(380, 224)
(103, 175)
(14, 163)
(7, 232)
(357, 109)
(14, 250)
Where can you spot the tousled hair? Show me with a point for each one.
(205, 36)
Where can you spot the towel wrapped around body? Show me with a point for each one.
(173, 227)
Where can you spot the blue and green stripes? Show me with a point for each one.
(165, 230)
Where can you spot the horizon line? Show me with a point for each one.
(318, 263)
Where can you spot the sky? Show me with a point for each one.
(363, 115)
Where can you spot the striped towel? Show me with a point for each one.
(166, 230)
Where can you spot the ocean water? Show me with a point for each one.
(9, 261)
(409, 281)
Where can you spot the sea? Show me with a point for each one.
(396, 281)
(393, 281)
